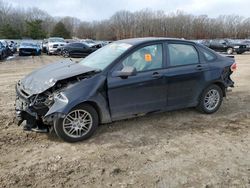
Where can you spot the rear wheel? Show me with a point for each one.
(211, 99)
(79, 124)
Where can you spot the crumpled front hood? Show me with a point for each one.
(42, 79)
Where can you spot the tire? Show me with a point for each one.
(44, 50)
(65, 53)
(239, 52)
(210, 107)
(230, 51)
(72, 129)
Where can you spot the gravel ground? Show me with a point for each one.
(174, 149)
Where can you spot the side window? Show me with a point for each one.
(78, 45)
(208, 55)
(146, 58)
(182, 54)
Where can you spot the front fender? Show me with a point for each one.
(91, 91)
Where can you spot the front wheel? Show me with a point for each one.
(79, 124)
(211, 99)
(65, 53)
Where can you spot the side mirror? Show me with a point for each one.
(125, 72)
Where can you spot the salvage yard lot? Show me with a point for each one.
(174, 149)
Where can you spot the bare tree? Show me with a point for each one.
(126, 24)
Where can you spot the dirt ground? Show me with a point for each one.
(174, 149)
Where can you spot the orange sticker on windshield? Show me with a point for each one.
(148, 57)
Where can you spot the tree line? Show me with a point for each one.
(16, 23)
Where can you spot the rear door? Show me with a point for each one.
(185, 75)
(78, 49)
(86, 50)
(144, 92)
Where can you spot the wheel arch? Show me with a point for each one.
(200, 105)
(218, 83)
(100, 107)
(95, 106)
(222, 86)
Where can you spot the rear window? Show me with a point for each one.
(182, 54)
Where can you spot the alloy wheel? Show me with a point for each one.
(77, 123)
(65, 53)
(212, 99)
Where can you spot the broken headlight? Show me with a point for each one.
(60, 96)
(41, 100)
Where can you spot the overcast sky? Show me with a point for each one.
(89, 10)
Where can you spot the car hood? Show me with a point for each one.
(44, 78)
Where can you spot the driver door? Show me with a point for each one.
(143, 92)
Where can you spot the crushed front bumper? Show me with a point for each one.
(25, 112)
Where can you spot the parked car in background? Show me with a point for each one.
(6, 46)
(12, 46)
(77, 49)
(226, 45)
(247, 43)
(54, 43)
(29, 48)
(3, 51)
(124, 79)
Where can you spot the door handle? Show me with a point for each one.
(157, 75)
(199, 67)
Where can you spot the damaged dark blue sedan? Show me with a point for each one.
(124, 79)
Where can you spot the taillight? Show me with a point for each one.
(233, 67)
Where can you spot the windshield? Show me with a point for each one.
(56, 40)
(28, 44)
(103, 57)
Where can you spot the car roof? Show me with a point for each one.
(137, 41)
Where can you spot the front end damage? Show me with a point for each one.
(32, 108)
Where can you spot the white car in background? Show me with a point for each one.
(54, 43)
